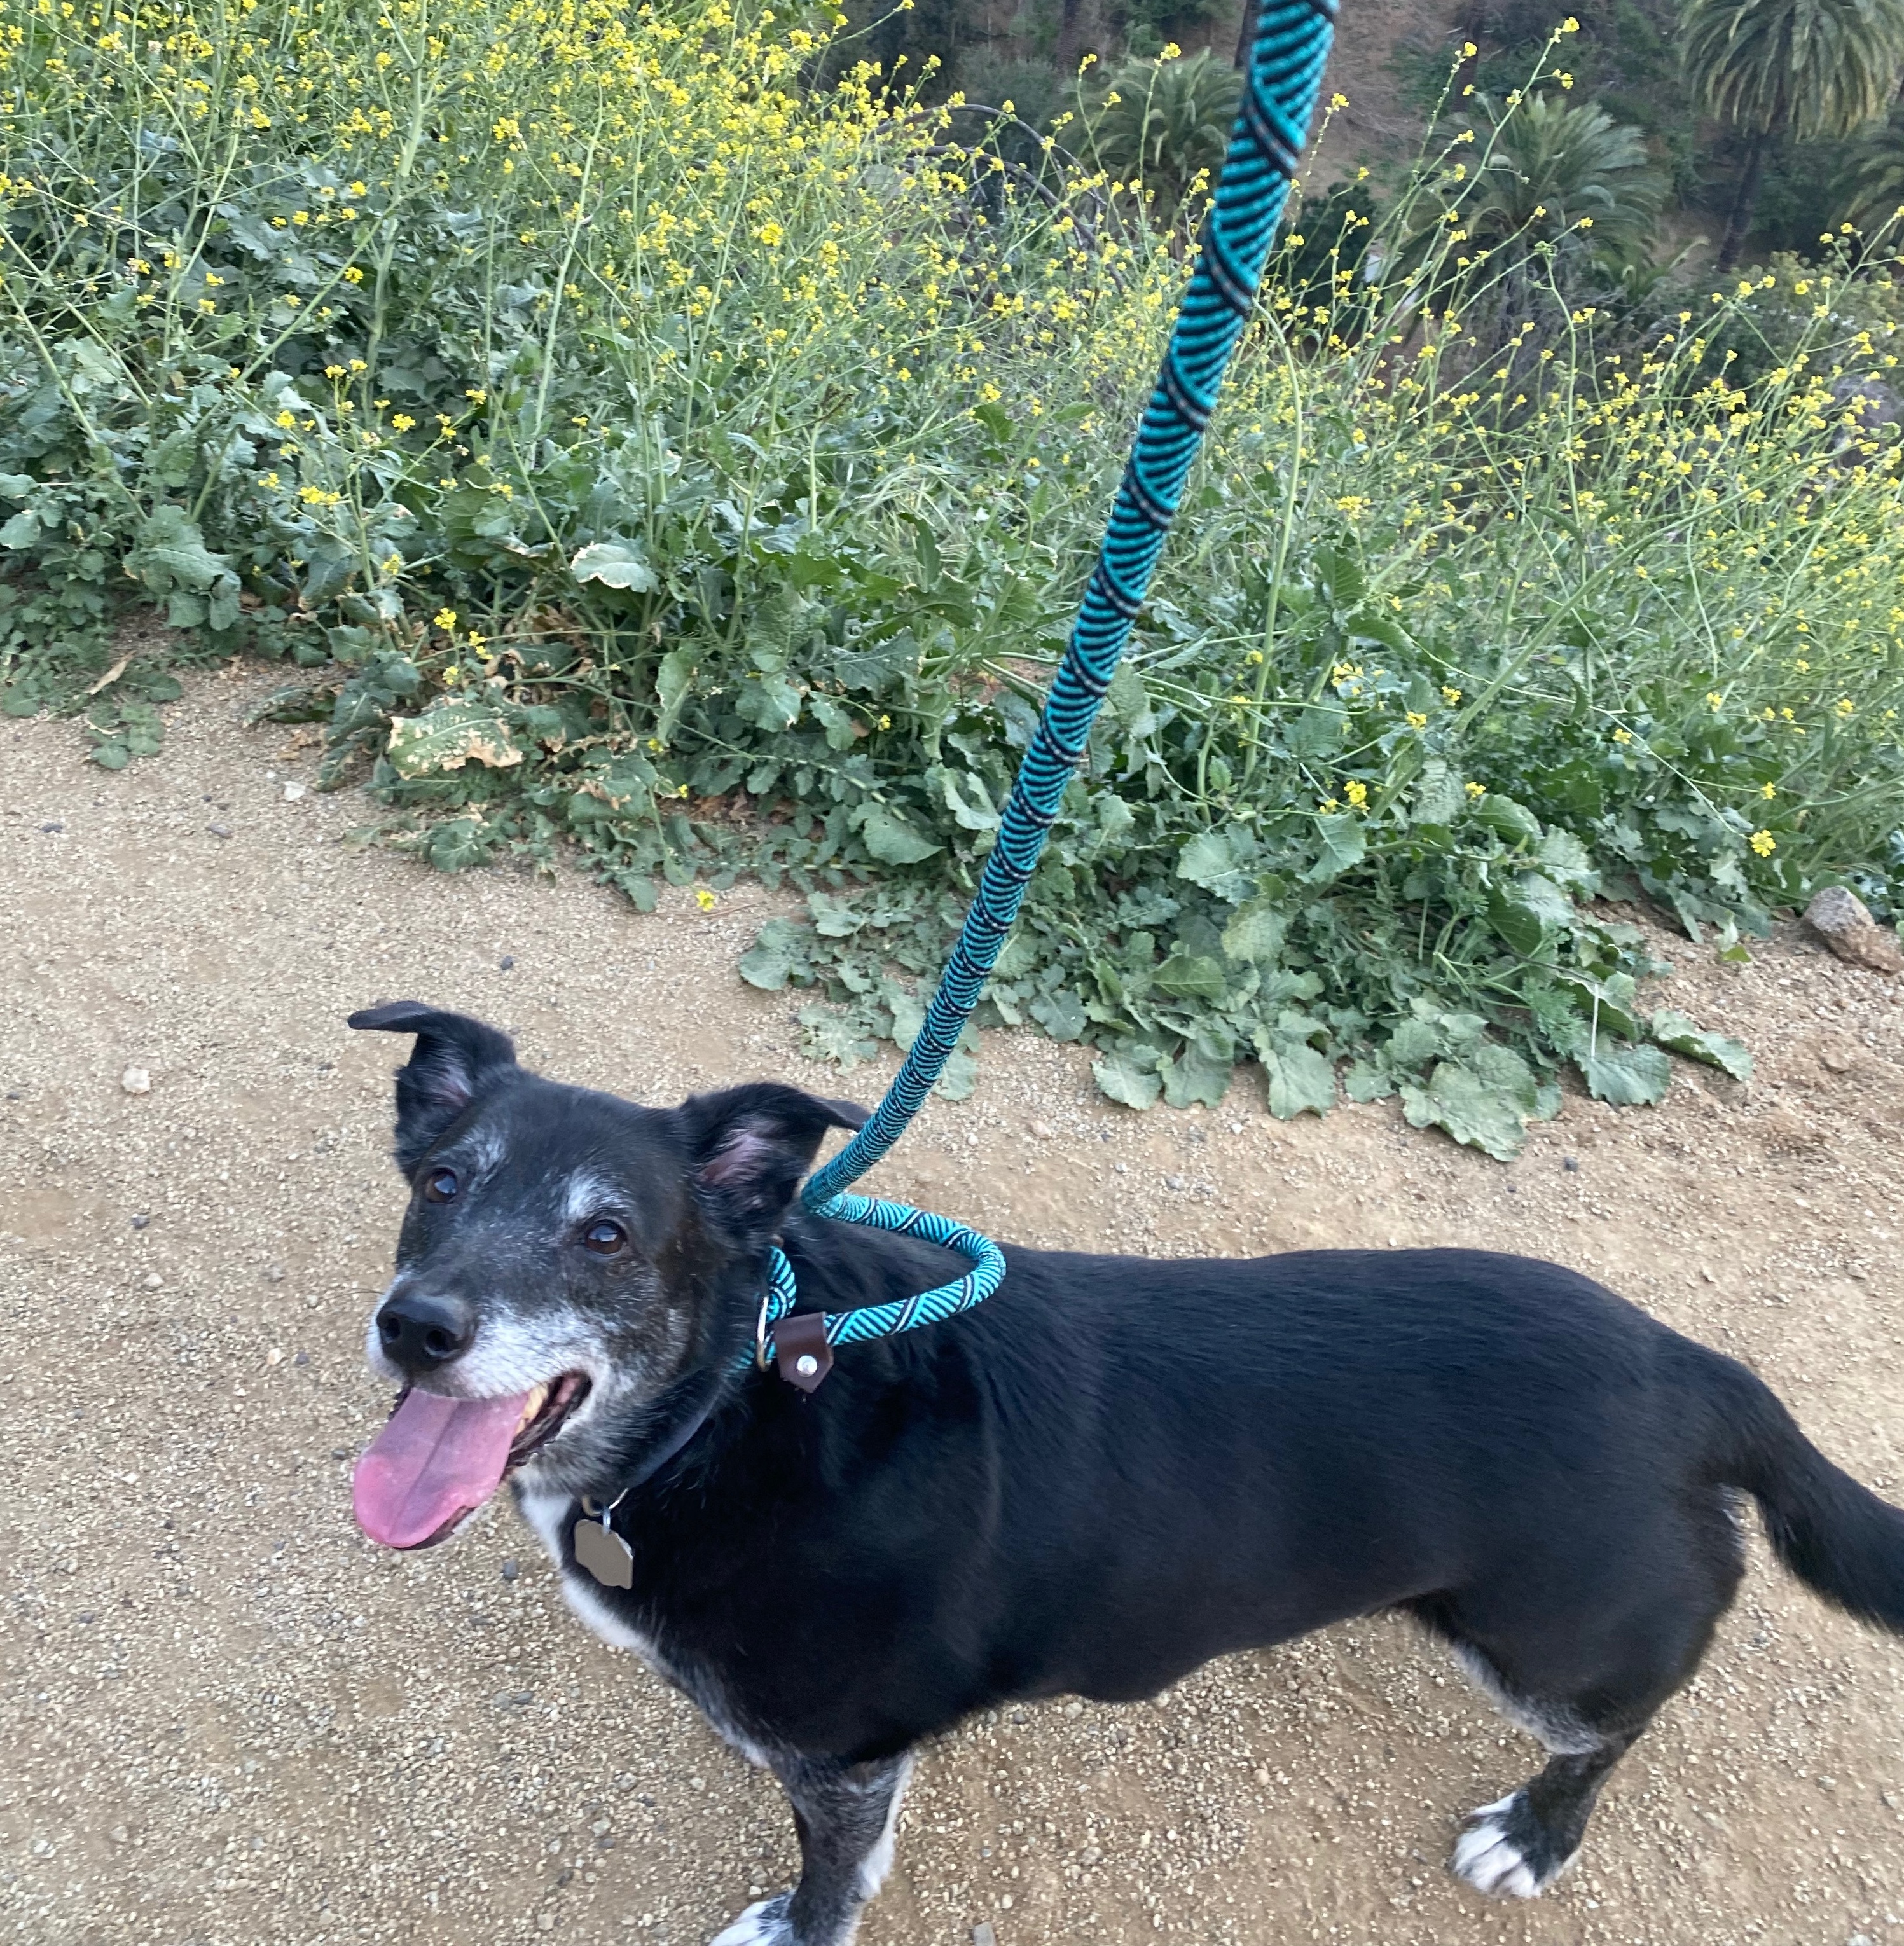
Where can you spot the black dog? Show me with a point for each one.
(1112, 1470)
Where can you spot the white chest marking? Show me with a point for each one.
(545, 1513)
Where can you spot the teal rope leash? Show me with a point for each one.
(881, 1320)
(1291, 48)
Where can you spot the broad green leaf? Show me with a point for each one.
(615, 564)
(1605, 1006)
(828, 1035)
(1626, 1075)
(1345, 843)
(448, 735)
(1674, 1029)
(959, 1076)
(771, 703)
(833, 919)
(1195, 1074)
(1566, 859)
(1545, 900)
(1478, 1114)
(1114, 818)
(1529, 911)
(674, 683)
(1060, 1014)
(1317, 730)
(1187, 976)
(966, 798)
(1521, 929)
(1366, 1081)
(1300, 1079)
(1440, 794)
(1501, 1068)
(1413, 1044)
(908, 1017)
(459, 842)
(22, 531)
(625, 783)
(891, 840)
(1255, 936)
(776, 956)
(832, 717)
(171, 553)
(1507, 819)
(993, 419)
(1130, 1077)
(1206, 861)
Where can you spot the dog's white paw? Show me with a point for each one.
(1494, 1855)
(763, 1925)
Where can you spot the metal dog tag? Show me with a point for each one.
(607, 1556)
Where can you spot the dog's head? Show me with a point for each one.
(567, 1258)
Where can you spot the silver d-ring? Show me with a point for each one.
(760, 1330)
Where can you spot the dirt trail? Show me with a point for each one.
(228, 1719)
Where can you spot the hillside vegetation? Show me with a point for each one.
(647, 435)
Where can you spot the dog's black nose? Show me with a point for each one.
(420, 1333)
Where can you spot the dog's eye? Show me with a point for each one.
(441, 1186)
(605, 1238)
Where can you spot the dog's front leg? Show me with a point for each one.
(845, 1814)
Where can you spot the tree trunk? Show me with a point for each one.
(1070, 32)
(1245, 34)
(1738, 221)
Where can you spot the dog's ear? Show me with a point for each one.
(751, 1146)
(454, 1059)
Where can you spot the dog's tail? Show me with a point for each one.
(1836, 1535)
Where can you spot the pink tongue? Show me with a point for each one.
(434, 1460)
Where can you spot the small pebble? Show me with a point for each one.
(983, 1936)
(292, 792)
(506, 963)
(153, 1281)
(136, 1081)
(302, 1358)
(219, 830)
(274, 1356)
(1043, 1131)
(140, 1222)
(56, 825)
(120, 1835)
(1571, 1165)
(510, 1570)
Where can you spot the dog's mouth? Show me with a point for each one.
(437, 1459)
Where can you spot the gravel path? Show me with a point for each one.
(229, 1720)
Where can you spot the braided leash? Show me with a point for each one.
(1291, 47)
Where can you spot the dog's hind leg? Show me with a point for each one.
(845, 1814)
(1585, 1677)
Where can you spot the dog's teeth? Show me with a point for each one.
(532, 1405)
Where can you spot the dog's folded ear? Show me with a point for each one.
(751, 1146)
(455, 1059)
